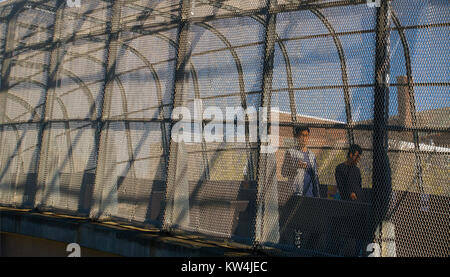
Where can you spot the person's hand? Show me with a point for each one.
(302, 164)
(353, 196)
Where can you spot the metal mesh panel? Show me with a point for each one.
(78, 94)
(140, 69)
(323, 73)
(222, 72)
(134, 146)
(130, 184)
(419, 160)
(18, 165)
(27, 76)
(89, 99)
(66, 167)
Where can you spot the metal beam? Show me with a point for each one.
(43, 144)
(112, 48)
(381, 177)
(264, 178)
(183, 47)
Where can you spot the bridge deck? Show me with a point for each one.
(52, 232)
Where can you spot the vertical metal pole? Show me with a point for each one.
(177, 161)
(381, 178)
(52, 76)
(183, 52)
(266, 182)
(112, 48)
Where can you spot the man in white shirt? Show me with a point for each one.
(300, 166)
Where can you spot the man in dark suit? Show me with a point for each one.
(348, 175)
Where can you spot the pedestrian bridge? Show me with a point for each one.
(93, 95)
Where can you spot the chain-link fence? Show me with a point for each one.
(93, 96)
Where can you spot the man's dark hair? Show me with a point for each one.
(353, 149)
(299, 129)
